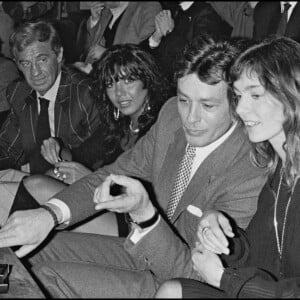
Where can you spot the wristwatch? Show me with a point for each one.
(143, 224)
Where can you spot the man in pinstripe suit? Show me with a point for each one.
(73, 116)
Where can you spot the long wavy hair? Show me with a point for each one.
(276, 63)
(128, 61)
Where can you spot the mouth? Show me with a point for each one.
(251, 123)
(194, 132)
(124, 103)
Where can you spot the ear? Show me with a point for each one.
(60, 55)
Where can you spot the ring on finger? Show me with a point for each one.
(205, 229)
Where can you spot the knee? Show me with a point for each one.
(169, 289)
(33, 182)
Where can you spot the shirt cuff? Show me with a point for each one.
(139, 233)
(65, 210)
(152, 43)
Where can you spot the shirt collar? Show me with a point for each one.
(52, 92)
(211, 147)
(186, 4)
(292, 3)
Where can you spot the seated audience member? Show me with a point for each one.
(115, 22)
(173, 32)
(49, 101)
(277, 17)
(8, 73)
(6, 29)
(239, 14)
(263, 261)
(28, 11)
(196, 135)
(129, 91)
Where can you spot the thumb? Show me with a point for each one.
(225, 225)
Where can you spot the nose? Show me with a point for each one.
(243, 106)
(120, 88)
(194, 114)
(35, 69)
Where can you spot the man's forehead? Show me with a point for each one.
(191, 86)
(35, 49)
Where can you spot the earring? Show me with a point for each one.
(148, 107)
(116, 113)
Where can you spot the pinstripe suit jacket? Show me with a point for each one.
(75, 115)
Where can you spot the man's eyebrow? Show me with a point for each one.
(250, 87)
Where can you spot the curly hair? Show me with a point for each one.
(128, 61)
(276, 62)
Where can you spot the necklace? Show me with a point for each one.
(280, 243)
(137, 130)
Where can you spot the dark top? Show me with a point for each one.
(199, 18)
(94, 153)
(256, 269)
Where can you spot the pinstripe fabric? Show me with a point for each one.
(75, 114)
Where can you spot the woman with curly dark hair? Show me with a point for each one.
(129, 90)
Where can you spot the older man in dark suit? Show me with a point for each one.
(196, 156)
(51, 106)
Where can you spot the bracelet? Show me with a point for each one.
(52, 213)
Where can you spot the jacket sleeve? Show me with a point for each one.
(146, 26)
(11, 146)
(256, 283)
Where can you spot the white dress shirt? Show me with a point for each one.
(292, 3)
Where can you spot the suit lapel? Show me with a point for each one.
(105, 17)
(293, 26)
(170, 166)
(61, 118)
(214, 164)
(124, 22)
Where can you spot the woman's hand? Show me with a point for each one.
(50, 150)
(213, 230)
(207, 264)
(71, 171)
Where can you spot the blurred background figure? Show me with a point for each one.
(178, 26)
(113, 22)
(277, 17)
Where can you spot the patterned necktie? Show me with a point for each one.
(38, 164)
(182, 179)
(283, 20)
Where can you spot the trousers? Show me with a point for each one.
(85, 265)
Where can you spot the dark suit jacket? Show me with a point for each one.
(76, 117)
(266, 20)
(8, 73)
(199, 18)
(226, 180)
